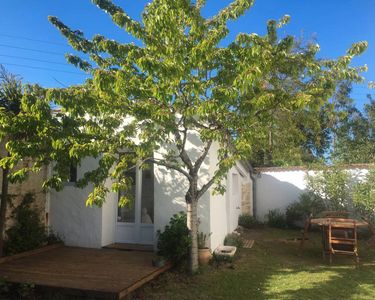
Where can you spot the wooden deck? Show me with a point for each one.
(107, 273)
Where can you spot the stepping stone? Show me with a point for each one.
(248, 243)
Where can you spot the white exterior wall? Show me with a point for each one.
(276, 189)
(109, 217)
(171, 186)
(75, 223)
(224, 209)
(95, 227)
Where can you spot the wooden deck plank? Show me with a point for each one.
(100, 270)
(130, 247)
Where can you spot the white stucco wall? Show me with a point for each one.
(95, 227)
(170, 188)
(109, 216)
(77, 224)
(224, 209)
(278, 187)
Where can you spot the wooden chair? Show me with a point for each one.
(340, 238)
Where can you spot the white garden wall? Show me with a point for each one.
(276, 188)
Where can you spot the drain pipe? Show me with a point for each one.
(254, 189)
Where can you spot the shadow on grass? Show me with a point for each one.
(273, 269)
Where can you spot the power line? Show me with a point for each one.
(30, 39)
(34, 59)
(30, 49)
(41, 68)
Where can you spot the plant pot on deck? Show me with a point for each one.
(204, 256)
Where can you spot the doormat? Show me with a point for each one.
(248, 243)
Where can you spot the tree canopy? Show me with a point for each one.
(353, 131)
(178, 79)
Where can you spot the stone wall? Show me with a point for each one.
(33, 184)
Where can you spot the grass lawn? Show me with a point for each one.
(273, 269)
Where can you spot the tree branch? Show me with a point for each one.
(200, 160)
(171, 166)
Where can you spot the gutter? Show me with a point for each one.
(254, 189)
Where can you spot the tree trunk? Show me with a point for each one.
(3, 208)
(192, 223)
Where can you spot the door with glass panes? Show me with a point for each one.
(135, 222)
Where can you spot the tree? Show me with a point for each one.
(297, 136)
(10, 102)
(28, 129)
(353, 138)
(178, 80)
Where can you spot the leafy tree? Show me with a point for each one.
(10, 101)
(28, 129)
(353, 131)
(301, 136)
(176, 81)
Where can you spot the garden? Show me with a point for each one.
(273, 268)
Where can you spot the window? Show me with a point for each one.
(73, 173)
(127, 212)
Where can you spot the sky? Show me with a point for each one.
(33, 49)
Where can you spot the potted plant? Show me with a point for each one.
(204, 252)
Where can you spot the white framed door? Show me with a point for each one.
(134, 223)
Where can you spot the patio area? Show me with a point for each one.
(103, 273)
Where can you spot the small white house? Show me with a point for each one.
(159, 193)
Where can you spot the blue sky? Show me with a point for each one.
(32, 48)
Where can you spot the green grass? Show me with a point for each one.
(273, 269)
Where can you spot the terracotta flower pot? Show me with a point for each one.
(204, 256)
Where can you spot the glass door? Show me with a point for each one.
(135, 221)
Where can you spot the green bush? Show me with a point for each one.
(247, 221)
(10, 290)
(298, 212)
(364, 196)
(233, 239)
(276, 219)
(28, 232)
(332, 185)
(174, 241)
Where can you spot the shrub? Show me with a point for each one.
(332, 186)
(233, 239)
(28, 232)
(17, 291)
(174, 241)
(247, 221)
(298, 212)
(53, 238)
(364, 196)
(276, 219)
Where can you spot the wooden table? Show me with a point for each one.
(324, 221)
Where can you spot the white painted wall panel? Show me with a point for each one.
(77, 224)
